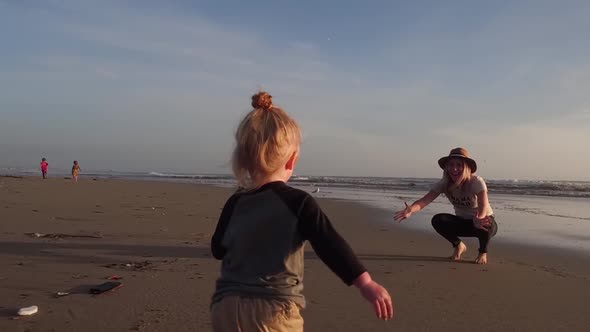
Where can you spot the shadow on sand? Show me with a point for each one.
(103, 252)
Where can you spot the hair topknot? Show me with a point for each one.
(262, 100)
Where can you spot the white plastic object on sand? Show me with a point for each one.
(28, 311)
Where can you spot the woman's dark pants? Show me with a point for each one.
(451, 227)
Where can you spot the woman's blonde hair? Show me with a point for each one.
(465, 177)
(265, 139)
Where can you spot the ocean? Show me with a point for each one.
(580, 189)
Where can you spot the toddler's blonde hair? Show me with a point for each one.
(265, 139)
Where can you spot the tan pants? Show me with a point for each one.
(246, 314)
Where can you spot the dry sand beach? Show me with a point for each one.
(155, 235)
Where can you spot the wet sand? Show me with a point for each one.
(155, 235)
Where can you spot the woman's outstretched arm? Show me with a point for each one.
(416, 206)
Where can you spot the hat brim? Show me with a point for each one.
(442, 162)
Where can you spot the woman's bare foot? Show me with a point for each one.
(482, 258)
(460, 249)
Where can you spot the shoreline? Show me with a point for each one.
(535, 188)
(155, 235)
(423, 217)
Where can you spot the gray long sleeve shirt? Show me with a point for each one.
(260, 237)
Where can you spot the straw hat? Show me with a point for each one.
(458, 153)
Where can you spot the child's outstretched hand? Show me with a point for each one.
(376, 295)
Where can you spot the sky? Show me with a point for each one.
(380, 88)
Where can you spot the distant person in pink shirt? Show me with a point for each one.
(44, 165)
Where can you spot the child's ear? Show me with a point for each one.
(290, 165)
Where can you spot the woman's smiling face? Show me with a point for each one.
(455, 168)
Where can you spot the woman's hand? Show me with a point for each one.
(403, 214)
(481, 223)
